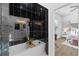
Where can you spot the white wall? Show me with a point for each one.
(59, 19)
(78, 29)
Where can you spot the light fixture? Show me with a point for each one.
(22, 21)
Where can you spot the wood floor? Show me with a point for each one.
(62, 50)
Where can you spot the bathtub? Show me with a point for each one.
(23, 50)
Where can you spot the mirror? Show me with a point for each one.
(20, 31)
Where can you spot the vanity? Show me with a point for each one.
(23, 50)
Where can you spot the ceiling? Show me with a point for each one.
(52, 6)
(69, 13)
(67, 9)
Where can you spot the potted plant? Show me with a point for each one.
(30, 43)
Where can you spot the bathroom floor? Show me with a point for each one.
(63, 50)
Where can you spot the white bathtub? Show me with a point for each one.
(23, 50)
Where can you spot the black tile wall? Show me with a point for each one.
(11, 9)
(39, 32)
(16, 11)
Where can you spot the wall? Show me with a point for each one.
(59, 19)
(78, 29)
(0, 28)
(3, 35)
